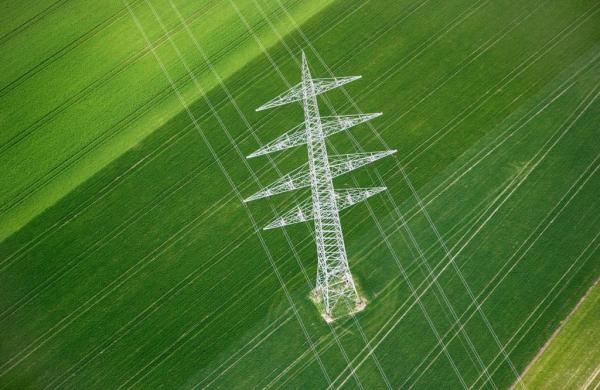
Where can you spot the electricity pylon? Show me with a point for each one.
(334, 280)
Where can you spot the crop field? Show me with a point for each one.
(569, 360)
(128, 259)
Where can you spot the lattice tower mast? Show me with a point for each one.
(334, 280)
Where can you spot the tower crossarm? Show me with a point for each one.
(343, 163)
(296, 179)
(300, 177)
(297, 135)
(304, 212)
(295, 94)
(300, 213)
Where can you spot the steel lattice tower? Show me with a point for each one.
(334, 280)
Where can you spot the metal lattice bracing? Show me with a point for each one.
(296, 93)
(297, 136)
(334, 280)
(303, 212)
(301, 177)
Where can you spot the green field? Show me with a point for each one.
(570, 359)
(128, 260)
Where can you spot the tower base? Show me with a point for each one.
(342, 309)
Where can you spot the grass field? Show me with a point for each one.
(128, 259)
(570, 359)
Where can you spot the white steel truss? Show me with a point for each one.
(301, 177)
(334, 280)
(304, 212)
(296, 93)
(297, 136)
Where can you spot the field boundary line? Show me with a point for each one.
(544, 219)
(548, 305)
(562, 324)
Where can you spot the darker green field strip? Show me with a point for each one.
(103, 347)
(149, 273)
(591, 194)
